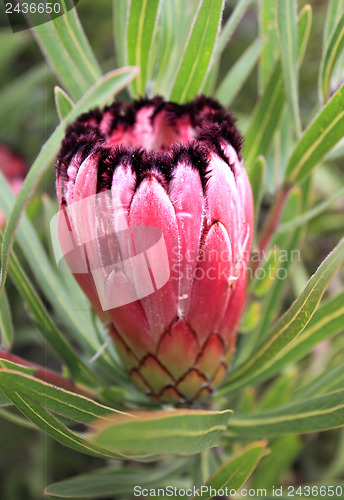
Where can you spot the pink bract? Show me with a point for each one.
(177, 168)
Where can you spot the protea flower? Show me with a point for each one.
(176, 170)
(14, 168)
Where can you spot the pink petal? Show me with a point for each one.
(234, 308)
(129, 320)
(151, 207)
(186, 194)
(222, 196)
(211, 287)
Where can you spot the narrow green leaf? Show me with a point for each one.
(66, 48)
(310, 214)
(267, 29)
(198, 51)
(289, 326)
(328, 380)
(268, 112)
(312, 415)
(10, 365)
(100, 93)
(110, 481)
(49, 424)
(334, 11)
(234, 473)
(6, 325)
(230, 26)
(333, 51)
(278, 392)
(140, 31)
(174, 25)
(238, 74)
(288, 36)
(74, 39)
(55, 399)
(120, 13)
(247, 401)
(270, 471)
(63, 103)
(281, 149)
(318, 139)
(4, 401)
(327, 321)
(184, 432)
(256, 175)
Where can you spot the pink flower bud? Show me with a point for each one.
(160, 209)
(14, 168)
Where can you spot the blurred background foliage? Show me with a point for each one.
(30, 460)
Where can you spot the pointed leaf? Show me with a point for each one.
(333, 51)
(268, 112)
(44, 420)
(55, 399)
(140, 32)
(6, 325)
(120, 14)
(334, 11)
(312, 415)
(184, 432)
(267, 29)
(198, 51)
(327, 321)
(271, 470)
(66, 48)
(108, 482)
(234, 473)
(318, 139)
(63, 103)
(288, 35)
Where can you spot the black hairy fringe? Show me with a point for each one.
(211, 122)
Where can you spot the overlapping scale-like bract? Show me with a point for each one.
(178, 169)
